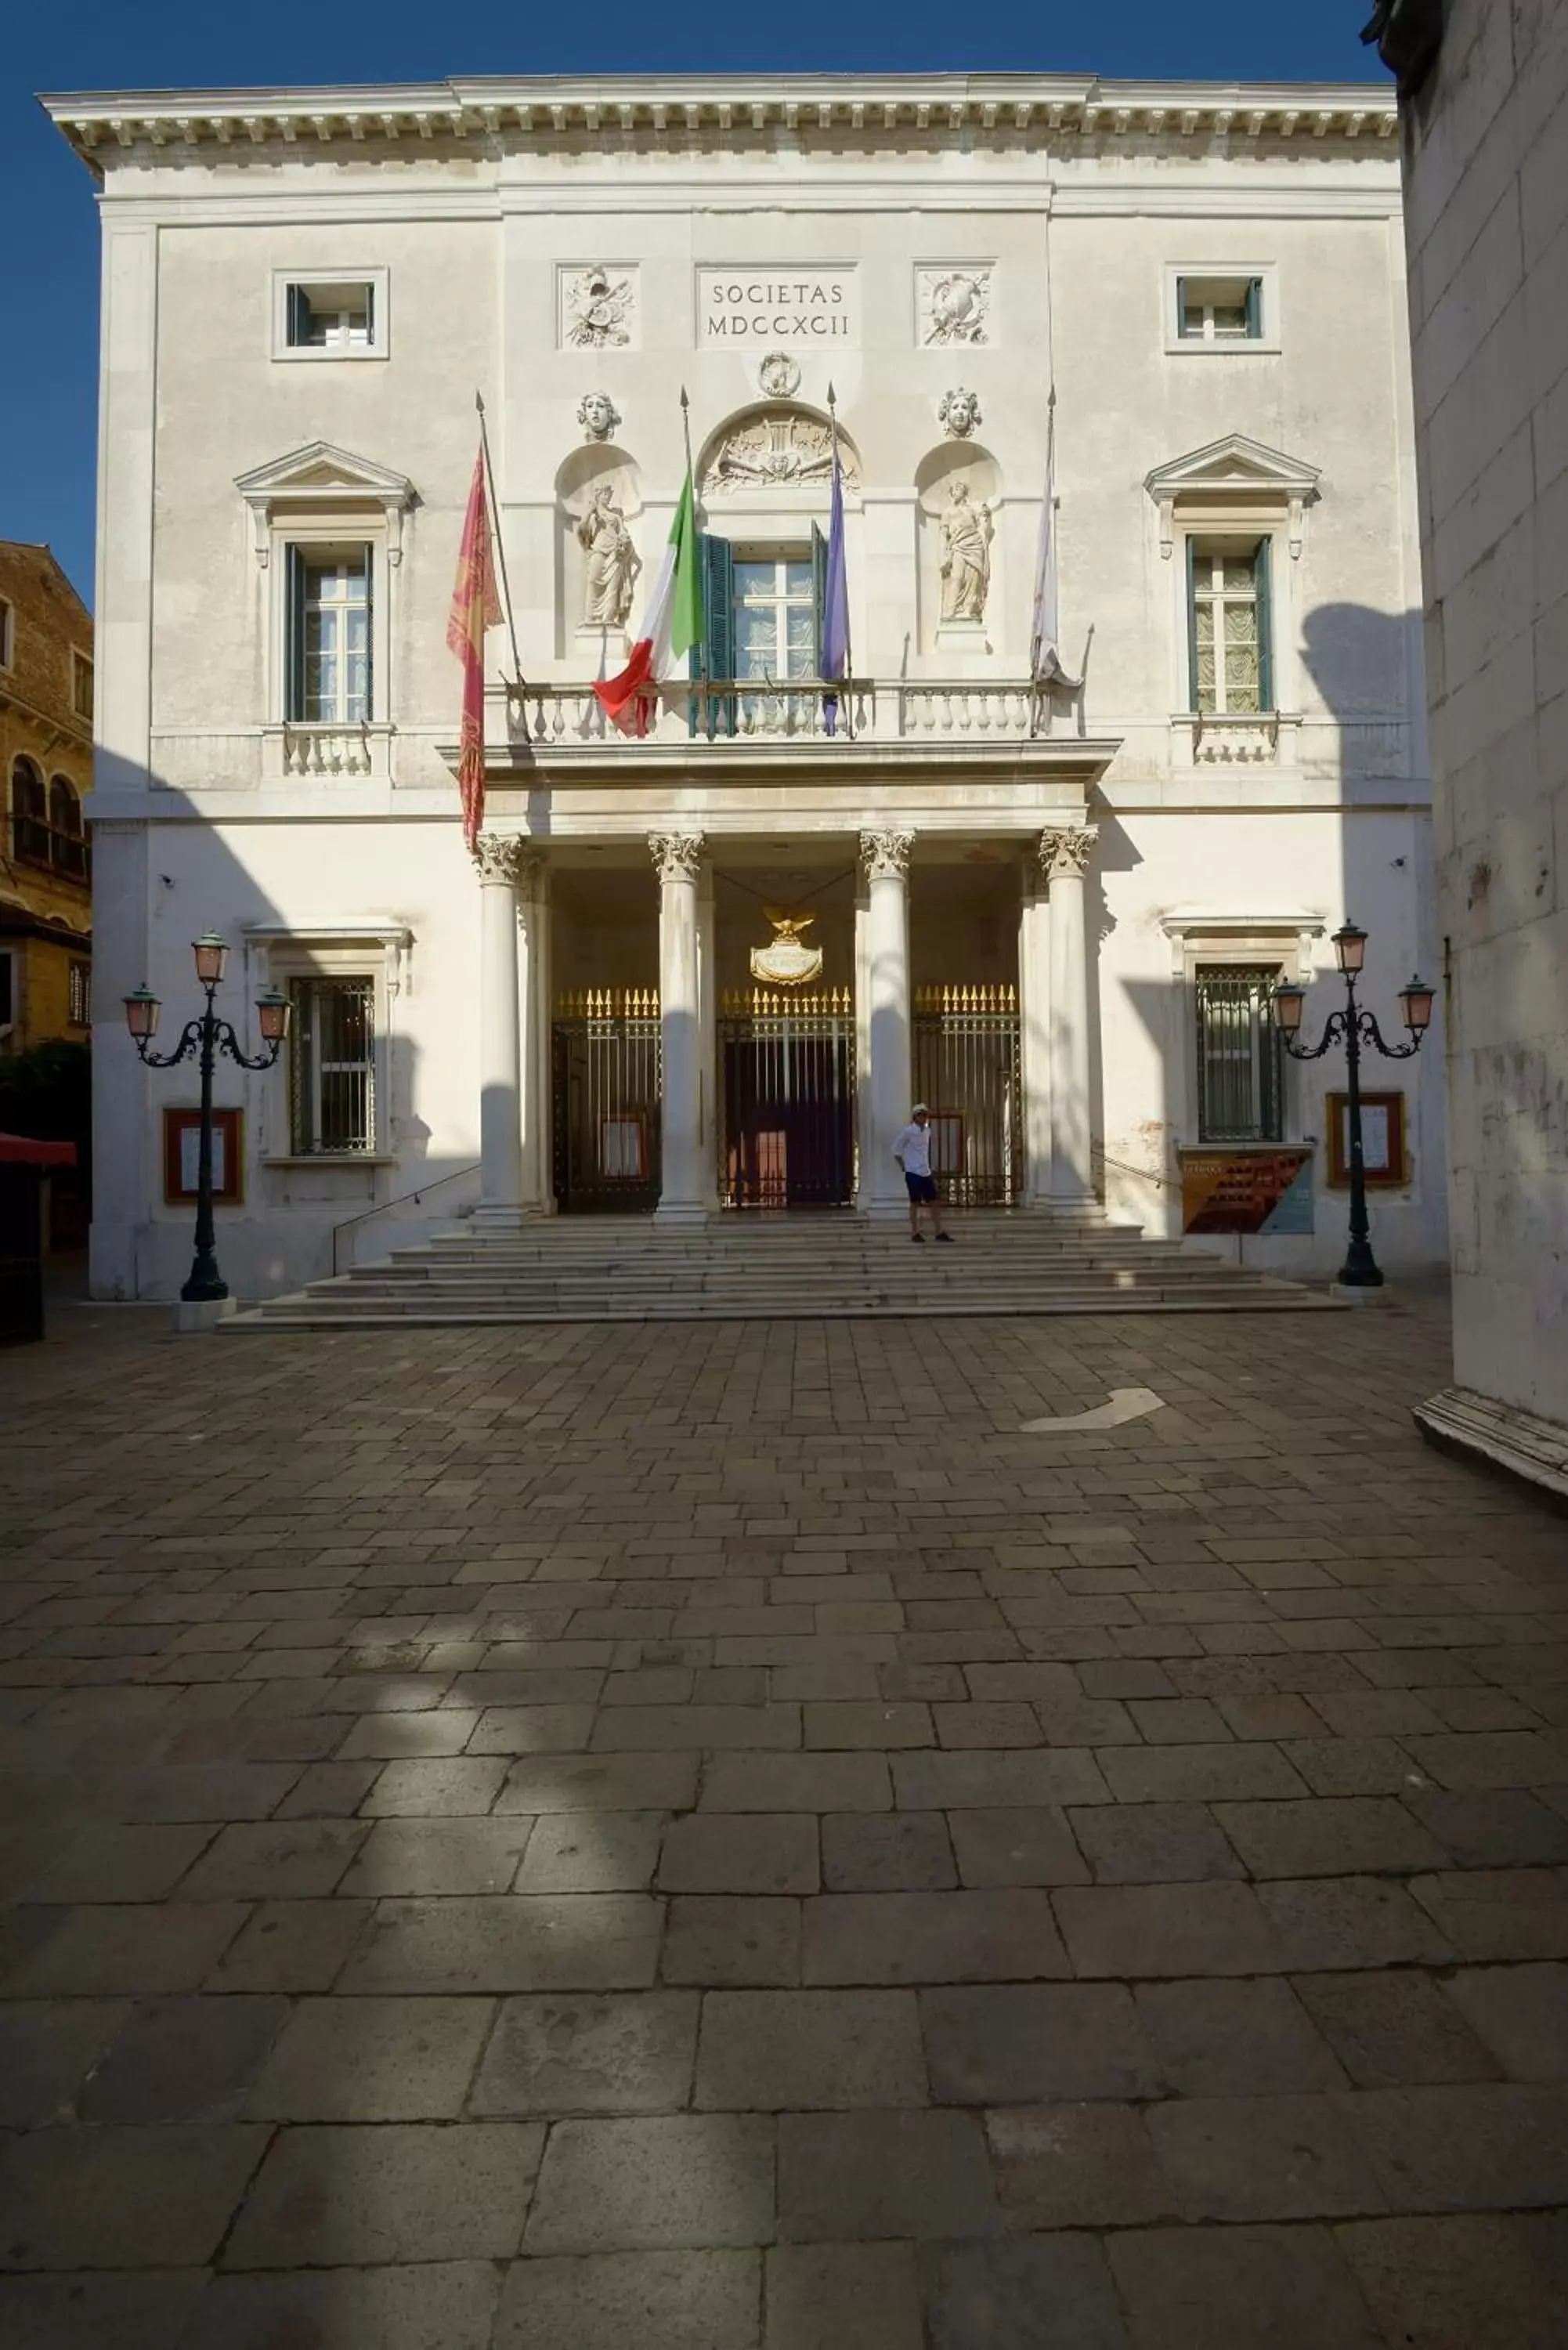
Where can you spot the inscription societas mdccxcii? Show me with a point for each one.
(777, 305)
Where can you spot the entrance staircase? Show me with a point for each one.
(746, 1267)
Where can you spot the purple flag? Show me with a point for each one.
(834, 601)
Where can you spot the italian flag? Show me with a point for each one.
(672, 623)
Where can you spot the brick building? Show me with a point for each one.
(46, 760)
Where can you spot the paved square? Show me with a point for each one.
(711, 1834)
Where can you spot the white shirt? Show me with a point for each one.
(913, 1149)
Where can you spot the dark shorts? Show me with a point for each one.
(921, 1187)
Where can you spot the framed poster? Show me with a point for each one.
(181, 1150)
(1246, 1190)
(1382, 1156)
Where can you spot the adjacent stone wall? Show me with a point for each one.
(1487, 214)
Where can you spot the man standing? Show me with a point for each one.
(913, 1152)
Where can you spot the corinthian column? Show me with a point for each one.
(886, 858)
(499, 858)
(1066, 855)
(683, 1193)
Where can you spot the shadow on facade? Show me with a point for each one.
(158, 888)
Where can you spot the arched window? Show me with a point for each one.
(66, 838)
(29, 814)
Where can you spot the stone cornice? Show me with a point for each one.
(715, 113)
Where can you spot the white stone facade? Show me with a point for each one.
(1487, 173)
(584, 253)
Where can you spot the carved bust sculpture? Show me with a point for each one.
(597, 415)
(613, 562)
(966, 556)
(958, 412)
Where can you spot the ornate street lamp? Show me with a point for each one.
(1357, 1028)
(205, 1037)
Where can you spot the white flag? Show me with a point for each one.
(1044, 647)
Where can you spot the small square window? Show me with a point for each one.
(1210, 310)
(319, 314)
(81, 686)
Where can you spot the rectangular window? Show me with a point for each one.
(332, 317)
(773, 604)
(81, 685)
(1241, 1096)
(332, 1053)
(1219, 309)
(7, 634)
(79, 1007)
(1229, 632)
(328, 624)
(7, 990)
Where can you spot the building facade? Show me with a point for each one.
(45, 759)
(1486, 154)
(708, 963)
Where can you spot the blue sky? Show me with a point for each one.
(49, 387)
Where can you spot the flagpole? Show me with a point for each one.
(704, 679)
(848, 654)
(500, 542)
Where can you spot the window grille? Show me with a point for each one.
(1240, 1062)
(332, 1066)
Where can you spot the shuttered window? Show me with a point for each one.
(328, 636)
(1230, 624)
(1239, 1064)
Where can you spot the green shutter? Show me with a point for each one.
(818, 592)
(1263, 575)
(714, 658)
(1191, 624)
(1255, 308)
(293, 631)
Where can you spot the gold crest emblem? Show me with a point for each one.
(787, 962)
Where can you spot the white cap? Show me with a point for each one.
(918, 1107)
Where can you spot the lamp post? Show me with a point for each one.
(1357, 1028)
(205, 1037)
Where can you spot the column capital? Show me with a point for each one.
(500, 857)
(676, 855)
(885, 854)
(1065, 851)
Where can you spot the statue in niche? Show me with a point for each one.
(597, 415)
(966, 556)
(613, 561)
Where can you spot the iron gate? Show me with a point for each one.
(786, 1074)
(969, 1072)
(605, 1051)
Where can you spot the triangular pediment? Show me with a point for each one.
(320, 470)
(1235, 463)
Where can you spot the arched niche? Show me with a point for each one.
(936, 475)
(775, 456)
(581, 477)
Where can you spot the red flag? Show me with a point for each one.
(476, 606)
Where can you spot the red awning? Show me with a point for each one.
(21, 1148)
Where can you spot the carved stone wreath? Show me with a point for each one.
(774, 452)
(779, 376)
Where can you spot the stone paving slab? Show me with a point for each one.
(714, 1836)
